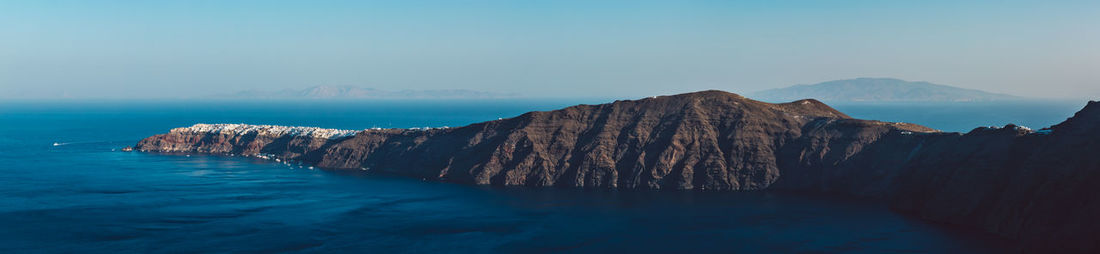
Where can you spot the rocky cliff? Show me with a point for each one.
(707, 140)
(1011, 181)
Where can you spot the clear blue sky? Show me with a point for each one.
(122, 49)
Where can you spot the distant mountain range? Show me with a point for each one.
(354, 92)
(879, 90)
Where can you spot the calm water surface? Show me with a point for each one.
(965, 116)
(80, 196)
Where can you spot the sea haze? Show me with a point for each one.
(81, 195)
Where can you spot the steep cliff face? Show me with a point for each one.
(297, 143)
(1035, 187)
(706, 140)
(1011, 181)
(848, 156)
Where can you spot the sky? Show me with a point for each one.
(561, 48)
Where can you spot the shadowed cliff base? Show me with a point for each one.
(1011, 181)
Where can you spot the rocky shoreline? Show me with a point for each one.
(1011, 181)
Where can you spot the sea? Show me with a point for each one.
(66, 188)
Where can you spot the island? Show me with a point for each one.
(880, 90)
(1035, 187)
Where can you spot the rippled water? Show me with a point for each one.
(80, 196)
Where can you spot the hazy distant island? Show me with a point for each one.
(880, 90)
(359, 93)
(1033, 186)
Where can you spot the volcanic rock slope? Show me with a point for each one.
(709, 140)
(1038, 187)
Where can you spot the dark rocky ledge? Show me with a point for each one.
(1035, 187)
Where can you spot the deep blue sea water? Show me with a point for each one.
(965, 116)
(83, 197)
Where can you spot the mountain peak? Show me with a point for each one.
(718, 99)
(1086, 120)
(705, 93)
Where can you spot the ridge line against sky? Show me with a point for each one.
(158, 49)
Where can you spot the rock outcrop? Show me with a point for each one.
(1011, 181)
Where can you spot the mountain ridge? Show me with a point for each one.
(880, 90)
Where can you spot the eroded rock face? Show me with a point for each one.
(299, 143)
(707, 140)
(1035, 187)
